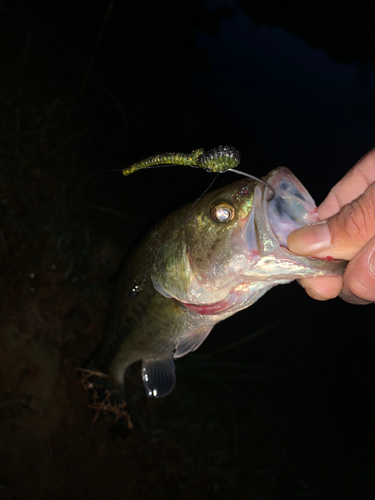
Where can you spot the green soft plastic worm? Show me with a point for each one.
(215, 160)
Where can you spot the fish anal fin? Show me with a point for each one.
(192, 341)
(158, 376)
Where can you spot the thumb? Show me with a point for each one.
(341, 236)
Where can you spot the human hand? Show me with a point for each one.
(347, 231)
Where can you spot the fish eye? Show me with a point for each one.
(222, 212)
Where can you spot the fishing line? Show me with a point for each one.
(91, 172)
(204, 192)
(122, 170)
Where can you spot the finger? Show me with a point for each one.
(341, 236)
(323, 287)
(350, 187)
(359, 277)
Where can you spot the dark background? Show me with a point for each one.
(90, 86)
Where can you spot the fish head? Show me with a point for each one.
(227, 250)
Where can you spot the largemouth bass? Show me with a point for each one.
(199, 266)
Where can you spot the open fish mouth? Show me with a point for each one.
(291, 208)
(272, 222)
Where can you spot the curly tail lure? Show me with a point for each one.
(217, 160)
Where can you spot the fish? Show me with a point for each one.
(199, 266)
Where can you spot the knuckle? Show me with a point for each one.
(358, 218)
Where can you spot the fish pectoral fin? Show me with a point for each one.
(158, 376)
(192, 341)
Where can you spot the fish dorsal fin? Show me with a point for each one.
(192, 341)
(158, 376)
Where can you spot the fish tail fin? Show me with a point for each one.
(158, 376)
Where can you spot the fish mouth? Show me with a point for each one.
(291, 208)
(270, 225)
